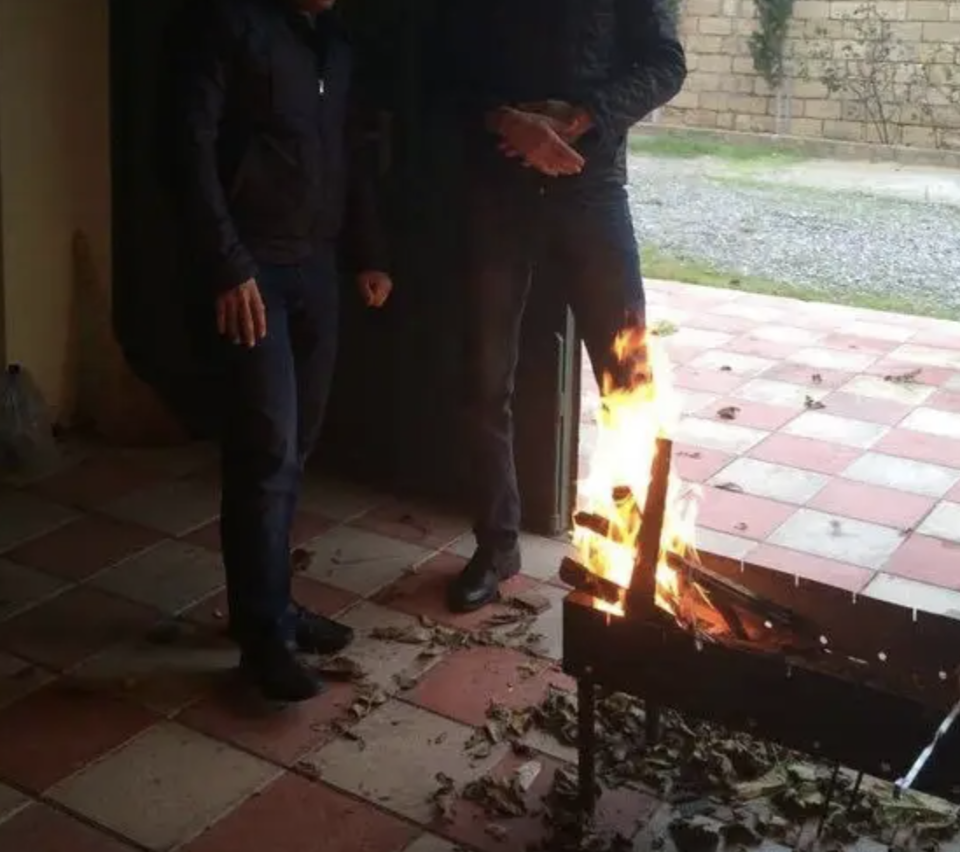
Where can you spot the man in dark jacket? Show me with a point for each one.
(545, 92)
(264, 103)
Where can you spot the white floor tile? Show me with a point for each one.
(722, 544)
(837, 430)
(943, 522)
(718, 435)
(841, 539)
(876, 387)
(901, 474)
(776, 481)
(699, 338)
(933, 422)
(787, 334)
(926, 356)
(880, 331)
(786, 394)
(732, 362)
(832, 359)
(910, 593)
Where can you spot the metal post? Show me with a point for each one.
(587, 742)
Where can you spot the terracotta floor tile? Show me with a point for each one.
(806, 565)
(422, 526)
(394, 761)
(857, 343)
(84, 547)
(464, 684)
(805, 453)
(97, 480)
(762, 348)
(755, 415)
(59, 729)
(74, 626)
(698, 464)
(866, 408)
(424, 593)
(282, 735)
(285, 818)
(314, 595)
(919, 446)
(919, 373)
(944, 400)
(872, 503)
(741, 514)
(927, 560)
(307, 525)
(163, 788)
(618, 812)
(799, 374)
(42, 829)
(712, 381)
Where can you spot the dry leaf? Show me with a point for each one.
(812, 404)
(730, 412)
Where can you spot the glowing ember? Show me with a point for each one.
(638, 406)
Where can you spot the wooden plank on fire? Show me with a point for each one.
(583, 580)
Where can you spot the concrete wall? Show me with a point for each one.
(54, 174)
(724, 92)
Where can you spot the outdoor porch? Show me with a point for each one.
(836, 456)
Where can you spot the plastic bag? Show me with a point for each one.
(27, 442)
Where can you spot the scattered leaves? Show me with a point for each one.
(729, 412)
(444, 798)
(664, 328)
(340, 669)
(812, 404)
(907, 378)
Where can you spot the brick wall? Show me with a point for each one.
(724, 92)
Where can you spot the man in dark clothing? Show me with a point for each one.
(264, 104)
(545, 92)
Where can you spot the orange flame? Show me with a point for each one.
(638, 407)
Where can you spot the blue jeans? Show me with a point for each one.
(576, 240)
(274, 399)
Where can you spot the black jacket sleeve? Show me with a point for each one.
(203, 81)
(365, 242)
(650, 71)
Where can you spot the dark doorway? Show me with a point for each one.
(395, 415)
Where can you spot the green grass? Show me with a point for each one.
(657, 264)
(692, 146)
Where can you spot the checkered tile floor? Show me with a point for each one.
(842, 460)
(119, 732)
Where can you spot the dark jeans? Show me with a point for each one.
(577, 241)
(274, 401)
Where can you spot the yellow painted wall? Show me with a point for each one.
(54, 173)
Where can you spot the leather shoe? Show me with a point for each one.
(479, 583)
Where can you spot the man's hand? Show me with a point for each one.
(570, 122)
(375, 287)
(241, 315)
(534, 137)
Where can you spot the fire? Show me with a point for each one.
(639, 406)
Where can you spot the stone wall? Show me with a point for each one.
(724, 92)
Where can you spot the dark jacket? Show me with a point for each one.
(620, 59)
(267, 158)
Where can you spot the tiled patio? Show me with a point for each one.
(826, 438)
(120, 727)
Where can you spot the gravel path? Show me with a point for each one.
(736, 219)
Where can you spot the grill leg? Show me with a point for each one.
(653, 723)
(587, 743)
(831, 789)
(855, 790)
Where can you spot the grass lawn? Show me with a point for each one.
(694, 145)
(657, 264)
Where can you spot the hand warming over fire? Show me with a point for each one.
(536, 138)
(375, 287)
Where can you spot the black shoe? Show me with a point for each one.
(479, 583)
(315, 634)
(278, 675)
